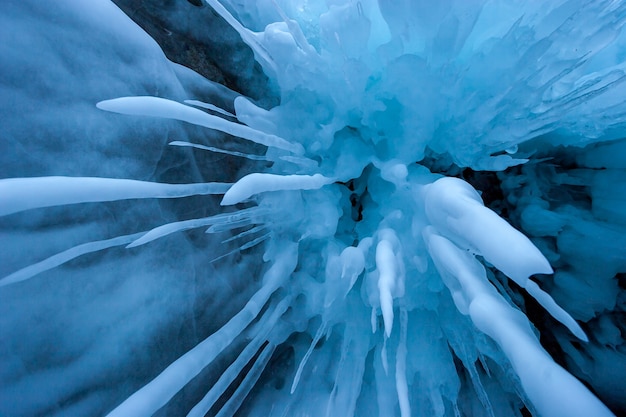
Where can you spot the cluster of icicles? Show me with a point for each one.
(458, 227)
(419, 243)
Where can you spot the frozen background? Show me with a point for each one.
(349, 279)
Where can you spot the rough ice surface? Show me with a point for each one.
(430, 222)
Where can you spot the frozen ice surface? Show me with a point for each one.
(430, 222)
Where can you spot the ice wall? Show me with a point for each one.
(347, 269)
(72, 345)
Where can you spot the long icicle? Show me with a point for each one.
(169, 109)
(318, 336)
(161, 389)
(253, 375)
(249, 37)
(401, 383)
(19, 194)
(66, 256)
(218, 150)
(182, 225)
(209, 106)
(266, 325)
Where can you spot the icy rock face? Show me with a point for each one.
(385, 286)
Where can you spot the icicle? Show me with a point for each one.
(318, 336)
(483, 363)
(223, 227)
(457, 211)
(19, 194)
(263, 329)
(301, 161)
(218, 150)
(352, 265)
(383, 356)
(244, 388)
(547, 302)
(249, 37)
(245, 246)
(479, 388)
(385, 263)
(169, 228)
(354, 349)
(256, 241)
(250, 231)
(161, 389)
(209, 106)
(168, 109)
(66, 256)
(401, 384)
(552, 390)
(258, 183)
(374, 320)
(296, 31)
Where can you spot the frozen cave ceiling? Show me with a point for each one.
(84, 326)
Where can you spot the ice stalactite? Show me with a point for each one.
(372, 280)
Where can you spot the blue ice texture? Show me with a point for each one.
(172, 247)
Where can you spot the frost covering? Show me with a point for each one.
(366, 277)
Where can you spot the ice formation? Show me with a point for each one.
(173, 248)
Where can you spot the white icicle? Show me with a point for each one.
(249, 37)
(245, 233)
(66, 256)
(401, 383)
(209, 106)
(169, 228)
(552, 390)
(555, 310)
(258, 183)
(353, 262)
(318, 336)
(20, 194)
(385, 263)
(243, 389)
(457, 211)
(168, 109)
(265, 325)
(218, 150)
(255, 241)
(161, 389)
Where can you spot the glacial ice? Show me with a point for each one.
(429, 220)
